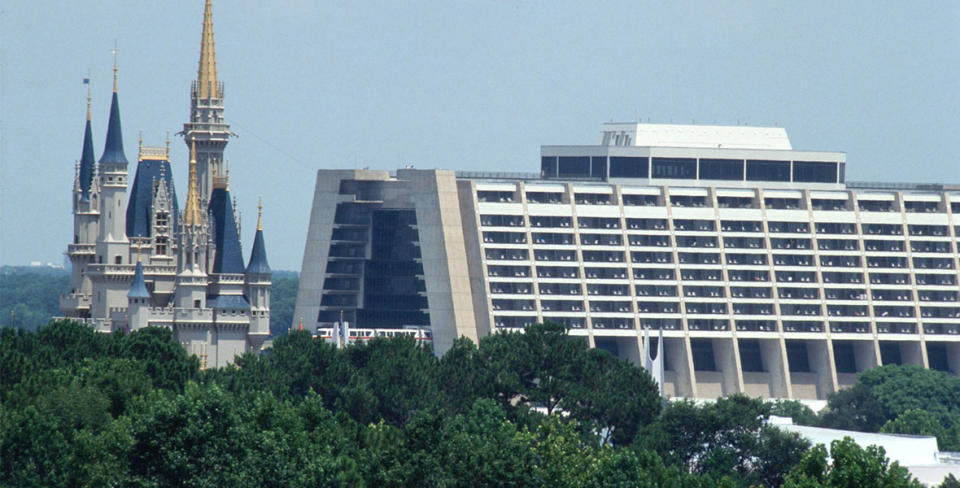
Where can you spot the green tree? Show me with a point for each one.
(852, 467)
(800, 413)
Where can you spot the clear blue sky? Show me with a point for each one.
(459, 85)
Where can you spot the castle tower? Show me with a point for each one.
(207, 129)
(86, 216)
(138, 308)
(257, 283)
(226, 270)
(191, 282)
(112, 243)
(152, 211)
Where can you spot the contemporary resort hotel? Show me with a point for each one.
(766, 272)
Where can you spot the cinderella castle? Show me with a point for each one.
(140, 261)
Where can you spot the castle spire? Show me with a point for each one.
(260, 213)
(113, 149)
(87, 159)
(207, 73)
(258, 256)
(191, 214)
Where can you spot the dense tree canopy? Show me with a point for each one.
(78, 408)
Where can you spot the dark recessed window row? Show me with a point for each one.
(844, 359)
(607, 289)
(694, 225)
(890, 278)
(799, 309)
(883, 245)
(921, 207)
(561, 305)
(514, 322)
(505, 237)
(514, 305)
(789, 243)
(553, 239)
(501, 220)
(838, 244)
(896, 328)
(798, 293)
(508, 271)
(704, 291)
(706, 308)
(656, 290)
(565, 272)
(696, 241)
(897, 295)
(602, 306)
(931, 246)
(927, 279)
(828, 204)
(792, 260)
(600, 167)
(592, 273)
(601, 239)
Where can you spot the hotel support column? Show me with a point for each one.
(820, 356)
(588, 314)
(686, 375)
(916, 357)
(874, 342)
(773, 351)
(726, 351)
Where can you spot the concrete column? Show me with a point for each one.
(911, 353)
(774, 355)
(820, 357)
(866, 355)
(727, 357)
(953, 357)
(681, 358)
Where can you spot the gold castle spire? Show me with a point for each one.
(207, 75)
(191, 214)
(259, 213)
(89, 98)
(115, 51)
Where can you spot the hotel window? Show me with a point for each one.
(675, 168)
(760, 170)
(574, 166)
(814, 172)
(721, 169)
(627, 167)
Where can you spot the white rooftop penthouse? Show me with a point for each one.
(703, 136)
(695, 155)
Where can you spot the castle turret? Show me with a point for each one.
(81, 251)
(191, 284)
(138, 308)
(257, 282)
(112, 244)
(207, 129)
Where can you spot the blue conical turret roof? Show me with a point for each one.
(113, 149)
(258, 256)
(228, 257)
(138, 289)
(87, 161)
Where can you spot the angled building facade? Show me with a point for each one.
(139, 260)
(767, 273)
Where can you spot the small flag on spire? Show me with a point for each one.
(86, 81)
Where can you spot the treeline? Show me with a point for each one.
(79, 408)
(29, 297)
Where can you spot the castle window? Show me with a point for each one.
(118, 260)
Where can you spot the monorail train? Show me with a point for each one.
(420, 334)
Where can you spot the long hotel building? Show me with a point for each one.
(766, 271)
